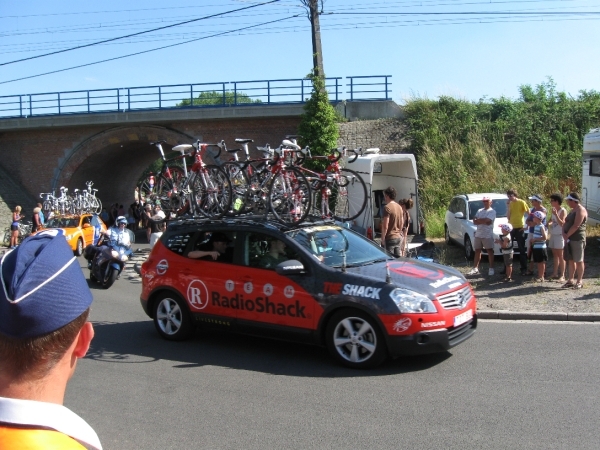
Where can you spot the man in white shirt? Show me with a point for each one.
(484, 235)
(44, 306)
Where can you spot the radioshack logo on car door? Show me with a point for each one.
(197, 295)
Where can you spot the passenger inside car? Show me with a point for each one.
(274, 256)
(216, 249)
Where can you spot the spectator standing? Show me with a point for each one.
(536, 201)
(556, 242)
(146, 220)
(539, 236)
(392, 223)
(14, 226)
(574, 235)
(484, 235)
(42, 218)
(517, 209)
(36, 222)
(506, 245)
(44, 306)
(157, 225)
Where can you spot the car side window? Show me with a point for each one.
(453, 205)
(177, 242)
(265, 251)
(462, 207)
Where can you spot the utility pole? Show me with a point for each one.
(313, 7)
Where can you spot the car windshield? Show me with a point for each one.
(330, 244)
(498, 204)
(63, 222)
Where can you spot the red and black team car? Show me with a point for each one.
(318, 282)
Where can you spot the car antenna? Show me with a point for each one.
(388, 276)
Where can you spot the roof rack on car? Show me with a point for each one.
(267, 221)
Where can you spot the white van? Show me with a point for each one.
(378, 172)
(590, 180)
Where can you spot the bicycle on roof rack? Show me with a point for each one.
(338, 193)
(250, 179)
(204, 190)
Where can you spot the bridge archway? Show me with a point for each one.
(114, 160)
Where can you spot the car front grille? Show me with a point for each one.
(461, 332)
(457, 299)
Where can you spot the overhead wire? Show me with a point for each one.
(145, 51)
(139, 33)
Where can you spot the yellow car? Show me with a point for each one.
(79, 230)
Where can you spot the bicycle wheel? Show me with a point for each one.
(239, 186)
(211, 192)
(258, 192)
(348, 197)
(290, 196)
(95, 205)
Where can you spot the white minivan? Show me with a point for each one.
(459, 227)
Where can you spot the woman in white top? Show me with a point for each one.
(556, 242)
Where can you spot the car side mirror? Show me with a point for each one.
(86, 225)
(291, 267)
(459, 215)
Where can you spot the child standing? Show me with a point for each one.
(538, 241)
(505, 243)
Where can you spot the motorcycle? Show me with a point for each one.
(106, 262)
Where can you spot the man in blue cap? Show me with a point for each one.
(44, 306)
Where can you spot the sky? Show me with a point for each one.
(427, 51)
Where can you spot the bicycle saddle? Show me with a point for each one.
(182, 148)
(244, 141)
(290, 144)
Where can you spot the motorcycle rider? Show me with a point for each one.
(118, 236)
(118, 240)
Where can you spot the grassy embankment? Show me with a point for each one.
(532, 144)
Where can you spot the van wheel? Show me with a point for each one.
(354, 339)
(172, 318)
(469, 252)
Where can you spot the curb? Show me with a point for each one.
(534, 315)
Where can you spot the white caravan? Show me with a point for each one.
(590, 180)
(380, 171)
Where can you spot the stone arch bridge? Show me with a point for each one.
(40, 154)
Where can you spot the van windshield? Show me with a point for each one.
(498, 205)
(330, 244)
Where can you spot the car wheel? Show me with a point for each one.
(172, 318)
(79, 248)
(354, 339)
(469, 252)
(447, 235)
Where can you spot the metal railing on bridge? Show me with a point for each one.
(199, 95)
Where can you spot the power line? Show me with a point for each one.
(465, 13)
(147, 51)
(138, 33)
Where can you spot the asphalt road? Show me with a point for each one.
(513, 385)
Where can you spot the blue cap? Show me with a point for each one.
(43, 287)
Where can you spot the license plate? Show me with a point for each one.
(464, 317)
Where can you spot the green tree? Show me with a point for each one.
(208, 98)
(318, 125)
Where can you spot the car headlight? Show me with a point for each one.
(68, 237)
(412, 302)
